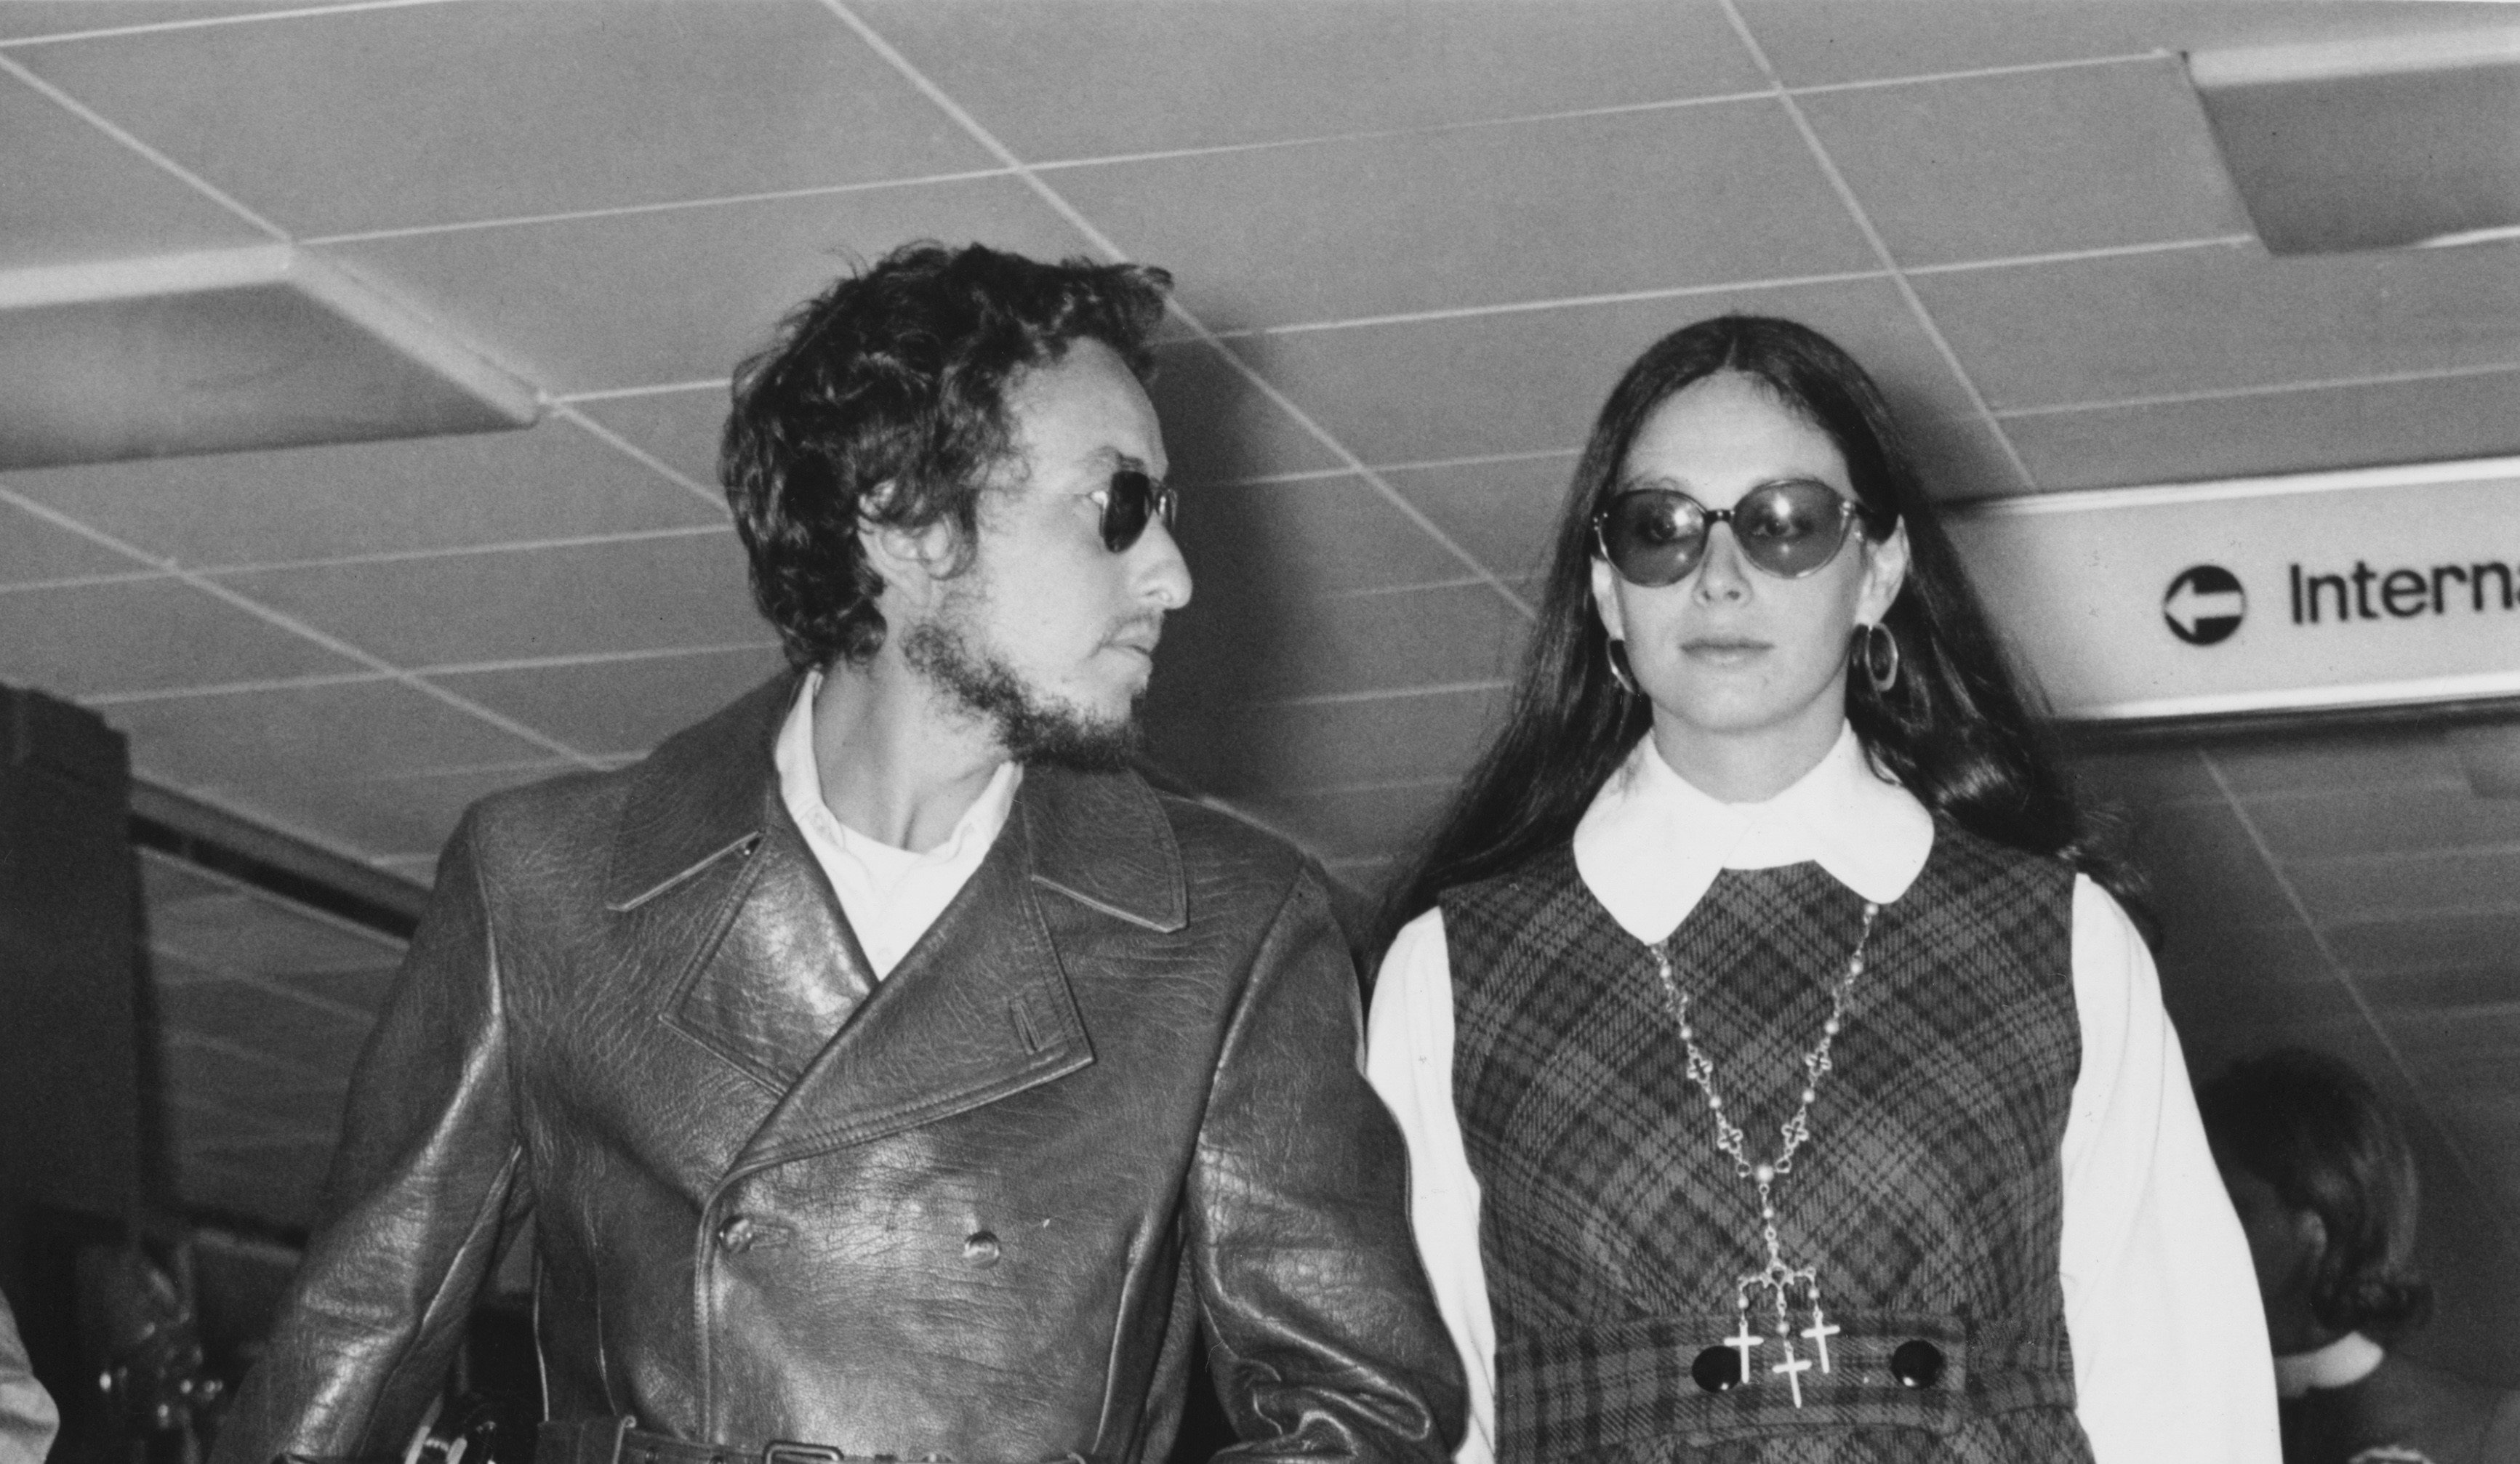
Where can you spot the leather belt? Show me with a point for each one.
(620, 1440)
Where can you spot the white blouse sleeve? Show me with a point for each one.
(2161, 1303)
(1409, 1060)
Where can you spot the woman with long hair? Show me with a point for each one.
(1782, 1080)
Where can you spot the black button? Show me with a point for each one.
(1717, 1370)
(736, 1235)
(982, 1249)
(1918, 1364)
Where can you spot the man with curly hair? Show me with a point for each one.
(888, 1069)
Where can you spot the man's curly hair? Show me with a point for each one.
(883, 401)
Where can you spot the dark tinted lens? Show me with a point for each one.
(1133, 499)
(1791, 529)
(1652, 536)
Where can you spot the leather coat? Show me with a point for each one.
(972, 1210)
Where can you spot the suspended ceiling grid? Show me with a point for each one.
(1415, 243)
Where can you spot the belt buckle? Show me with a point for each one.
(788, 1451)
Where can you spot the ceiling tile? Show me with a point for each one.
(166, 880)
(71, 195)
(626, 705)
(33, 550)
(2463, 1052)
(2427, 943)
(1357, 823)
(1817, 42)
(314, 122)
(22, 18)
(376, 816)
(1960, 457)
(2468, 881)
(219, 1072)
(2441, 987)
(1520, 381)
(331, 732)
(2211, 319)
(2307, 431)
(252, 1015)
(1992, 167)
(1255, 644)
(2331, 762)
(2140, 776)
(2383, 821)
(681, 428)
(263, 936)
(144, 635)
(1503, 513)
(1175, 76)
(1486, 216)
(1304, 539)
(573, 601)
(2200, 860)
(1220, 428)
(553, 481)
(646, 300)
(1238, 750)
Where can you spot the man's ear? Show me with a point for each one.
(911, 563)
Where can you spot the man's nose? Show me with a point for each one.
(1162, 575)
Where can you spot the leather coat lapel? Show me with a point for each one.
(765, 967)
(980, 1010)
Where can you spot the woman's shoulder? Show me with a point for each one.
(1537, 875)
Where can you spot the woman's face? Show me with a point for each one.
(1732, 654)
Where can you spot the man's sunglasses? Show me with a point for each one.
(1129, 504)
(1656, 536)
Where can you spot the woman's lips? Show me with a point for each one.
(1721, 651)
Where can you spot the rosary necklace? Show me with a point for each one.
(1777, 1280)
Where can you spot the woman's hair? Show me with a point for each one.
(2312, 1129)
(1954, 728)
(883, 401)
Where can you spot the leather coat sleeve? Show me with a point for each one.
(1324, 1337)
(422, 1186)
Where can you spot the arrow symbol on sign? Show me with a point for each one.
(2188, 606)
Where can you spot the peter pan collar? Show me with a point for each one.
(1651, 843)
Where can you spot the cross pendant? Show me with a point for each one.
(1819, 1332)
(1742, 1341)
(1793, 1368)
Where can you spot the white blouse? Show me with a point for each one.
(2171, 1359)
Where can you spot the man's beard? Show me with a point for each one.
(1033, 727)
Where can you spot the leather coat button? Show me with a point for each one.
(736, 1235)
(1716, 1368)
(1918, 1364)
(980, 1248)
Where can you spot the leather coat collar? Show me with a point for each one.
(712, 789)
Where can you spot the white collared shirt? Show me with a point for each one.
(2342, 1363)
(2161, 1303)
(889, 895)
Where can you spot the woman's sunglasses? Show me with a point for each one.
(1656, 536)
(1131, 503)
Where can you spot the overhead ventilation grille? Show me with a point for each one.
(2373, 143)
(222, 351)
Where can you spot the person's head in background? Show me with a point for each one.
(2324, 1184)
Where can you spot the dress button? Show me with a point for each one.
(980, 1248)
(1918, 1363)
(1717, 1370)
(736, 1235)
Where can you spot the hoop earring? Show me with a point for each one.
(1615, 651)
(1876, 650)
